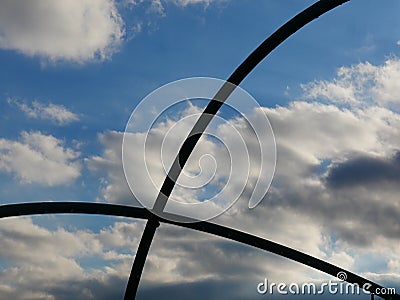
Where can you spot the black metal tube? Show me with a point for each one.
(138, 264)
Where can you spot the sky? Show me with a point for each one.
(72, 73)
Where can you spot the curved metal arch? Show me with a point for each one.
(279, 36)
(42, 208)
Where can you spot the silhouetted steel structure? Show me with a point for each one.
(296, 23)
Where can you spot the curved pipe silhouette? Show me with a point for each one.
(266, 47)
(41, 208)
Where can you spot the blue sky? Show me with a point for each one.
(71, 75)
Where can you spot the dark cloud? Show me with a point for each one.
(200, 290)
(364, 170)
(111, 288)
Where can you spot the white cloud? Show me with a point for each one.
(394, 265)
(342, 223)
(313, 141)
(201, 174)
(77, 30)
(43, 263)
(158, 6)
(57, 114)
(360, 84)
(314, 132)
(304, 208)
(109, 166)
(177, 256)
(191, 2)
(39, 158)
(308, 135)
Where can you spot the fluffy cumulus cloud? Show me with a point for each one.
(39, 158)
(57, 114)
(360, 83)
(61, 30)
(44, 264)
(315, 144)
(109, 167)
(83, 264)
(337, 168)
(352, 174)
(334, 196)
(75, 31)
(335, 191)
(208, 173)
